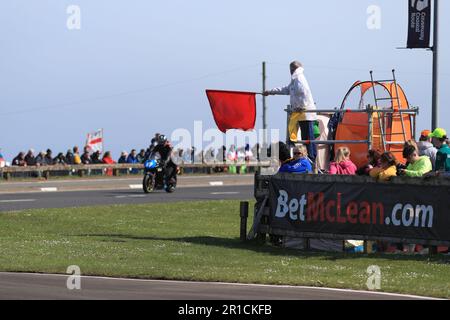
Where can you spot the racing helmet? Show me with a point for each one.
(162, 139)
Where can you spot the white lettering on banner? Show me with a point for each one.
(293, 207)
(282, 207)
(419, 215)
(402, 215)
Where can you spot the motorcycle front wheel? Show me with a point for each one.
(148, 184)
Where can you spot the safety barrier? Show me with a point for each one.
(117, 169)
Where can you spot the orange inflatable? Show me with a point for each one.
(355, 126)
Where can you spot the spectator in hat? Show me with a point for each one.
(418, 165)
(426, 148)
(301, 100)
(123, 157)
(30, 159)
(439, 140)
(69, 157)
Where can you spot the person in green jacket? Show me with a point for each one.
(418, 166)
(439, 137)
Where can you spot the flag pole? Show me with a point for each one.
(264, 106)
(435, 90)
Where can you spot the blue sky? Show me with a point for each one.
(137, 67)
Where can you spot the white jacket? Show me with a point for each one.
(301, 96)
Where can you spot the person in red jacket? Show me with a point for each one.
(342, 163)
(107, 159)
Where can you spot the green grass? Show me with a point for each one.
(192, 241)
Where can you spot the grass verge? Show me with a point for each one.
(193, 241)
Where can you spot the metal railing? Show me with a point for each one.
(82, 170)
(369, 110)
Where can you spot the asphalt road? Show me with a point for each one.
(44, 287)
(29, 200)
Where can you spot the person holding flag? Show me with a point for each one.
(301, 100)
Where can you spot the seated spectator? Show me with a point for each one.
(418, 166)
(388, 167)
(48, 159)
(40, 159)
(30, 159)
(426, 148)
(439, 140)
(123, 157)
(299, 163)
(107, 159)
(342, 163)
(373, 158)
(76, 156)
(19, 160)
(60, 159)
(141, 156)
(95, 158)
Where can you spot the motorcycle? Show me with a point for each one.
(155, 176)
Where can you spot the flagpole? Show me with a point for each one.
(435, 90)
(264, 124)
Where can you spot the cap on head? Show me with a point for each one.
(425, 133)
(295, 65)
(439, 133)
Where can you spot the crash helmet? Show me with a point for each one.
(162, 139)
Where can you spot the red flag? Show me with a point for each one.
(232, 109)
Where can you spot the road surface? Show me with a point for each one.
(40, 286)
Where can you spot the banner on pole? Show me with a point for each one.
(95, 141)
(419, 24)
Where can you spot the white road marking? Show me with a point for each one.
(49, 189)
(135, 186)
(17, 200)
(216, 183)
(223, 193)
(131, 196)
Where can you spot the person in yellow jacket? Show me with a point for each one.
(418, 166)
(388, 168)
(76, 156)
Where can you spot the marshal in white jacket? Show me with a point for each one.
(301, 96)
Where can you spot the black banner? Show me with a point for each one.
(370, 210)
(419, 23)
